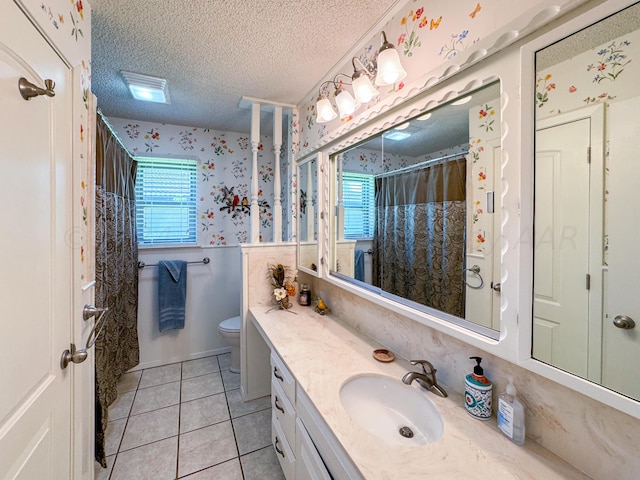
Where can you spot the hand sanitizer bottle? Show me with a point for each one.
(511, 415)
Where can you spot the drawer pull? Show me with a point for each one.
(276, 447)
(277, 404)
(277, 374)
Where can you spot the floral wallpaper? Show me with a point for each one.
(224, 183)
(484, 135)
(425, 34)
(67, 24)
(605, 74)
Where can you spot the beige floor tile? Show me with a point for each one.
(152, 398)
(159, 375)
(202, 386)
(262, 465)
(113, 435)
(224, 360)
(121, 407)
(238, 408)
(206, 447)
(201, 366)
(103, 473)
(129, 382)
(230, 380)
(156, 461)
(203, 412)
(253, 431)
(150, 427)
(229, 470)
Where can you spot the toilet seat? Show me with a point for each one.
(230, 325)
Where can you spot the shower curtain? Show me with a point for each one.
(419, 235)
(117, 347)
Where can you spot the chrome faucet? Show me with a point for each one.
(427, 378)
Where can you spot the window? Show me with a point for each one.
(166, 201)
(358, 200)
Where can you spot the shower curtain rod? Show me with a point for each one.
(141, 264)
(422, 164)
(113, 132)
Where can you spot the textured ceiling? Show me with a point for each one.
(213, 52)
(598, 34)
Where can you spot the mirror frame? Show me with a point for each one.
(318, 213)
(502, 67)
(333, 232)
(525, 332)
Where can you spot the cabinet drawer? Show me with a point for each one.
(284, 411)
(280, 374)
(283, 451)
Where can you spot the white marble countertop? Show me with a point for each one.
(322, 352)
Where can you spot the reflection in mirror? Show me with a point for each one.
(307, 218)
(586, 262)
(416, 215)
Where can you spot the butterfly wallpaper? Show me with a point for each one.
(426, 34)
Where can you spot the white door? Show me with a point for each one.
(621, 346)
(36, 262)
(563, 228)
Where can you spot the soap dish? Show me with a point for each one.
(383, 355)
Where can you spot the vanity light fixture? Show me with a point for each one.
(385, 68)
(146, 88)
(424, 117)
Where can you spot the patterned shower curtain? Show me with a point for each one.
(117, 347)
(419, 235)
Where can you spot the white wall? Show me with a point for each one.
(213, 295)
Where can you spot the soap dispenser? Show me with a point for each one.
(511, 415)
(477, 392)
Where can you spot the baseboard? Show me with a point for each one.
(181, 358)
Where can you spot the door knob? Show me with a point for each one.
(496, 287)
(72, 355)
(622, 321)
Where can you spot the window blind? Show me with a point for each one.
(166, 192)
(358, 200)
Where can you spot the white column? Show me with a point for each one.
(277, 201)
(255, 143)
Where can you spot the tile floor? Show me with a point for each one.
(187, 420)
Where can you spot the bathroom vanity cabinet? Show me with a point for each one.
(293, 418)
(313, 356)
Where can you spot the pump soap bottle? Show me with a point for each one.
(478, 392)
(511, 415)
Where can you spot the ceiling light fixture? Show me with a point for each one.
(385, 68)
(396, 135)
(146, 88)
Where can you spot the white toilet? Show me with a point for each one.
(230, 330)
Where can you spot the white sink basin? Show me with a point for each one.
(383, 406)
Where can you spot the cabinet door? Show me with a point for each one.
(309, 464)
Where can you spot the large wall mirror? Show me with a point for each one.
(308, 191)
(417, 213)
(586, 302)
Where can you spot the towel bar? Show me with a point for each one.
(141, 264)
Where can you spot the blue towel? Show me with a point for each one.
(172, 293)
(359, 265)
